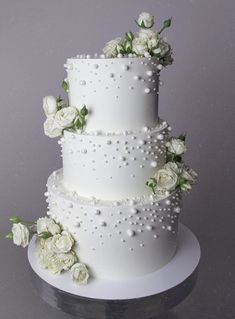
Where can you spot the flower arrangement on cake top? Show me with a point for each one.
(146, 43)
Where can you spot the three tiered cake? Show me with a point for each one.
(114, 206)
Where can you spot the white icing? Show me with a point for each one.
(112, 167)
(115, 92)
(128, 240)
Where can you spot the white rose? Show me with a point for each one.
(176, 146)
(139, 46)
(79, 273)
(20, 235)
(67, 260)
(164, 47)
(174, 167)
(49, 105)
(51, 129)
(46, 224)
(48, 259)
(166, 179)
(145, 20)
(110, 49)
(62, 243)
(65, 116)
(147, 34)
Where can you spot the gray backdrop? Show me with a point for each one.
(198, 97)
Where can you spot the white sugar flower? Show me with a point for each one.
(139, 46)
(67, 260)
(175, 167)
(48, 259)
(51, 129)
(20, 235)
(65, 117)
(49, 105)
(166, 179)
(79, 273)
(110, 49)
(147, 34)
(186, 186)
(164, 47)
(145, 20)
(62, 243)
(176, 146)
(46, 224)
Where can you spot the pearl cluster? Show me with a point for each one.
(121, 159)
(144, 220)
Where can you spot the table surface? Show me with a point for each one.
(197, 97)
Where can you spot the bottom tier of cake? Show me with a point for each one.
(123, 239)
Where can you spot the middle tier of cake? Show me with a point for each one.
(113, 166)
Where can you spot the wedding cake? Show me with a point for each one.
(113, 208)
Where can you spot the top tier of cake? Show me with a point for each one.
(121, 94)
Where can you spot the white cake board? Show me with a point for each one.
(164, 288)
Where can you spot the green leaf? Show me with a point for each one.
(84, 111)
(15, 219)
(45, 235)
(129, 36)
(65, 86)
(78, 123)
(9, 236)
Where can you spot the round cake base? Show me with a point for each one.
(143, 297)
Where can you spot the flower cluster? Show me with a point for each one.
(55, 246)
(61, 116)
(145, 43)
(174, 174)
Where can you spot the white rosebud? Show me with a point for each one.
(65, 116)
(176, 146)
(46, 224)
(79, 273)
(145, 20)
(49, 106)
(189, 175)
(67, 260)
(166, 179)
(110, 49)
(139, 46)
(51, 129)
(20, 235)
(62, 243)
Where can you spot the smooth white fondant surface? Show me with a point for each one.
(120, 94)
(113, 167)
(175, 272)
(118, 239)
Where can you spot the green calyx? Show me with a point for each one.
(15, 219)
(152, 183)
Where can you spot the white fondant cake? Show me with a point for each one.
(121, 94)
(117, 239)
(115, 203)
